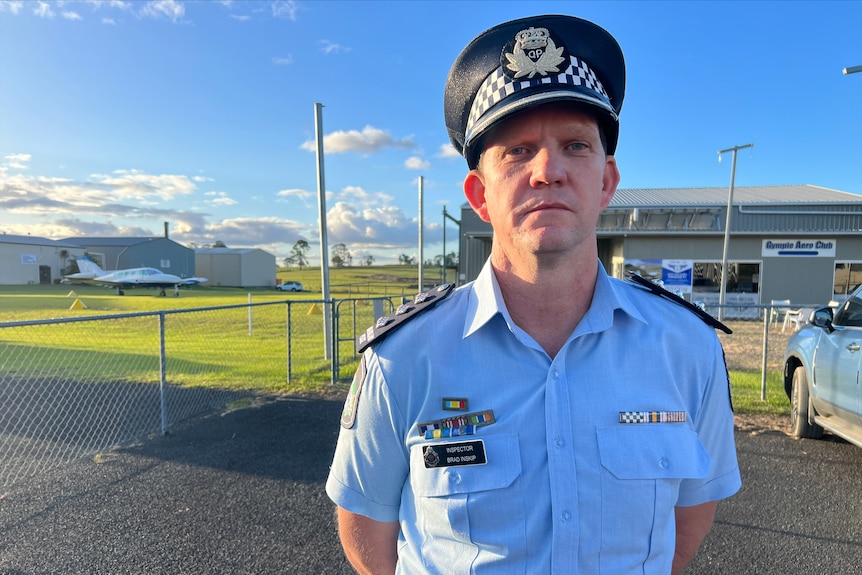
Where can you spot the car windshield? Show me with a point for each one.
(850, 313)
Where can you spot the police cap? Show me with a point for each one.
(532, 61)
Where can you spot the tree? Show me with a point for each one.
(406, 260)
(297, 255)
(368, 260)
(219, 244)
(341, 256)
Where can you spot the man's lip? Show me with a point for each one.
(543, 207)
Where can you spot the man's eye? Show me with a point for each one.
(577, 146)
(517, 151)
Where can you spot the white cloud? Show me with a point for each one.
(370, 140)
(256, 231)
(171, 9)
(416, 163)
(328, 47)
(301, 194)
(71, 15)
(283, 61)
(448, 151)
(285, 9)
(43, 10)
(11, 6)
(16, 161)
(220, 199)
(138, 185)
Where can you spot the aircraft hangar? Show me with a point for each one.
(236, 267)
(34, 260)
(796, 242)
(158, 252)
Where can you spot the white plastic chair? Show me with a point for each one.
(795, 318)
(779, 307)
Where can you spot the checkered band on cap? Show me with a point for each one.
(498, 86)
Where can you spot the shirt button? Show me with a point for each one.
(559, 441)
(565, 516)
(455, 478)
(663, 463)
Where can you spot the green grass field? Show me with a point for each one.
(19, 303)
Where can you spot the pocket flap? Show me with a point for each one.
(653, 451)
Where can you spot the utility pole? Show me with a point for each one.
(723, 289)
(324, 249)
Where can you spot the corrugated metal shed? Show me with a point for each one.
(236, 267)
(742, 195)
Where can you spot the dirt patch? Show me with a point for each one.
(755, 424)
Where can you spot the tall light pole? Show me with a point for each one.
(421, 234)
(324, 244)
(852, 69)
(723, 289)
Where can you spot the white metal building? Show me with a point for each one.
(33, 260)
(241, 267)
(801, 242)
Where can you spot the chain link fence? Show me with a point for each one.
(72, 388)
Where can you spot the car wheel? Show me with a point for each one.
(799, 425)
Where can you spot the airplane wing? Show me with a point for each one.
(192, 281)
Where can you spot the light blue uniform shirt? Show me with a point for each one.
(566, 487)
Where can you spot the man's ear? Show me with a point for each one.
(610, 181)
(474, 189)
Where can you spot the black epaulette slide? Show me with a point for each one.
(660, 291)
(389, 323)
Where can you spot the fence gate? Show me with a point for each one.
(351, 318)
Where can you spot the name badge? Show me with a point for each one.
(453, 454)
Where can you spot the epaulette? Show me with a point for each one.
(389, 323)
(660, 291)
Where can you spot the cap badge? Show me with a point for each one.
(534, 53)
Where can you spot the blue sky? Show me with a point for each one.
(117, 116)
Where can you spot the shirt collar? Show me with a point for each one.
(486, 301)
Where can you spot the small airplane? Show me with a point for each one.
(92, 274)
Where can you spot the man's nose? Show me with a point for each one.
(548, 168)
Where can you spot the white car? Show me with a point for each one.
(290, 286)
(822, 370)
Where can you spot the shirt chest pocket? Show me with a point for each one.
(643, 468)
(464, 503)
(652, 451)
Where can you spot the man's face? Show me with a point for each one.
(542, 181)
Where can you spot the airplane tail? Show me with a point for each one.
(88, 266)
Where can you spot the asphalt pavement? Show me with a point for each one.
(242, 493)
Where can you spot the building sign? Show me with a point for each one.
(799, 248)
(28, 259)
(677, 275)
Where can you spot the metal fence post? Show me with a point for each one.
(766, 315)
(163, 374)
(333, 341)
(288, 343)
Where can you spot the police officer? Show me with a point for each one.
(545, 418)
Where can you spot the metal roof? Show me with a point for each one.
(36, 241)
(803, 194)
(231, 251)
(102, 241)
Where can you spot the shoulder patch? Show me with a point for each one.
(660, 291)
(389, 323)
(348, 414)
